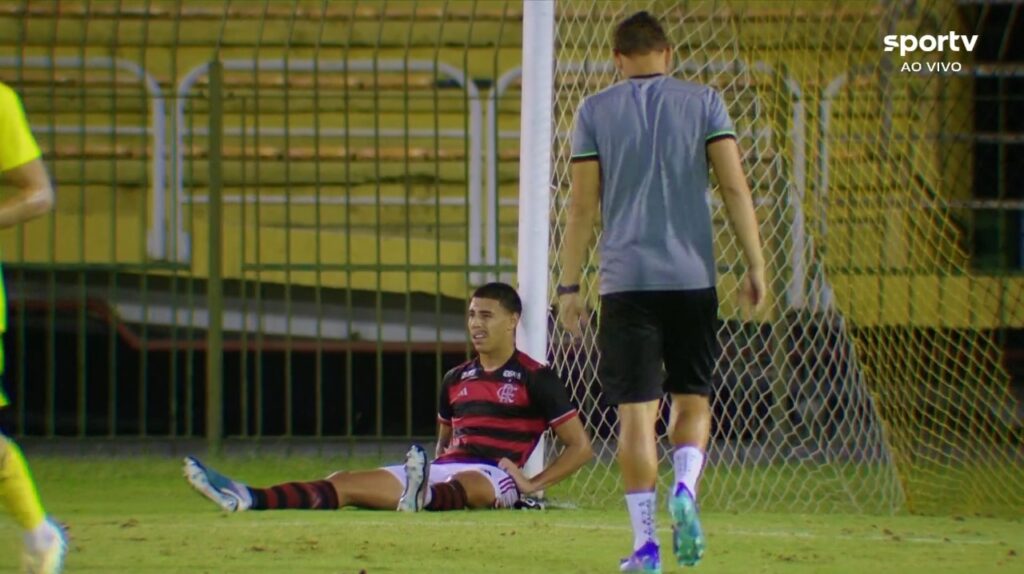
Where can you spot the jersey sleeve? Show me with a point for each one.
(444, 404)
(719, 124)
(584, 141)
(17, 146)
(551, 398)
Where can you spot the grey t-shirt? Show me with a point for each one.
(649, 135)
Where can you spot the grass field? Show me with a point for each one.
(138, 515)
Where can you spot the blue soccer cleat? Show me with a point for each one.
(647, 558)
(228, 494)
(687, 536)
(417, 471)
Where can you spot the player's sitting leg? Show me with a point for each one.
(463, 490)
(375, 489)
(454, 485)
(416, 485)
(45, 545)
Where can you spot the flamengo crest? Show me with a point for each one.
(507, 393)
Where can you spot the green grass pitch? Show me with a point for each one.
(138, 515)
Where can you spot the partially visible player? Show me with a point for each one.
(32, 196)
(491, 413)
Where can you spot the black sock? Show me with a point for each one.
(449, 495)
(317, 495)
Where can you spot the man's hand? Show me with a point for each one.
(525, 485)
(752, 290)
(570, 312)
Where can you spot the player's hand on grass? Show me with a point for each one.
(570, 313)
(753, 289)
(525, 485)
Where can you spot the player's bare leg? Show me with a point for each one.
(479, 490)
(372, 489)
(689, 429)
(638, 461)
(638, 456)
(367, 488)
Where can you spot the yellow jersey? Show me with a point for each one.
(17, 147)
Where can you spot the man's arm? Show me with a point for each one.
(444, 438)
(33, 194)
(583, 207)
(577, 452)
(584, 202)
(732, 184)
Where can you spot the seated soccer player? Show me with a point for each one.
(492, 411)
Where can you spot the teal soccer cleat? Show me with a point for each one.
(687, 536)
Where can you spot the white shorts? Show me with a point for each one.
(505, 491)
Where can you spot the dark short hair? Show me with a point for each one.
(640, 34)
(503, 293)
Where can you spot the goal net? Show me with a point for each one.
(870, 383)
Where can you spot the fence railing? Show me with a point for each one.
(178, 336)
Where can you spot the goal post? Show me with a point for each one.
(535, 187)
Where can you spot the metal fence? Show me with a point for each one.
(275, 208)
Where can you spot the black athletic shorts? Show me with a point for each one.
(653, 342)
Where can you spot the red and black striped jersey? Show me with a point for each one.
(501, 413)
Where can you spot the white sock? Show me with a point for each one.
(41, 537)
(641, 514)
(688, 461)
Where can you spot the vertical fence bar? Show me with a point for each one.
(243, 351)
(349, 355)
(215, 287)
(406, 145)
(81, 327)
(378, 239)
(318, 296)
(289, 381)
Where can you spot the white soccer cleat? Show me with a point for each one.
(231, 496)
(49, 557)
(417, 469)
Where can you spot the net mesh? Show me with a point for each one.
(870, 383)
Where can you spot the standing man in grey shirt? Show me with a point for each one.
(640, 152)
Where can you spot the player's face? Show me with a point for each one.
(491, 327)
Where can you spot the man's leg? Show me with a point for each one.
(462, 490)
(689, 428)
(638, 453)
(44, 541)
(691, 349)
(380, 490)
(17, 491)
(374, 489)
(638, 462)
(630, 340)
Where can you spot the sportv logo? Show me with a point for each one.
(909, 43)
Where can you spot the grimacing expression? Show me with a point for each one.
(490, 325)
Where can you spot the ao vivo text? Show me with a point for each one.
(931, 67)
